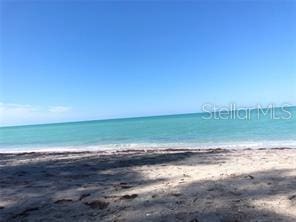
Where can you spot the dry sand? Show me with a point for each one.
(182, 185)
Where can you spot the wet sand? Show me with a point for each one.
(167, 185)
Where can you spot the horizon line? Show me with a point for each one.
(135, 117)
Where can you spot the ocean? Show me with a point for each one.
(236, 129)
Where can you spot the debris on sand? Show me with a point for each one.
(98, 204)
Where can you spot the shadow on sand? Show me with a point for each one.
(95, 187)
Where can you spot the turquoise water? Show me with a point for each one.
(273, 129)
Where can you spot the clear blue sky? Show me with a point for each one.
(64, 60)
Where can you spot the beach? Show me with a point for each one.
(147, 111)
(153, 185)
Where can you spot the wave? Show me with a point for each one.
(155, 146)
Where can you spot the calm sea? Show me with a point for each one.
(239, 129)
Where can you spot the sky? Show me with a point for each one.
(81, 60)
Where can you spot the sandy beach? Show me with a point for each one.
(167, 185)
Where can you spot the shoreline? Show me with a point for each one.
(138, 149)
(135, 150)
(156, 185)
